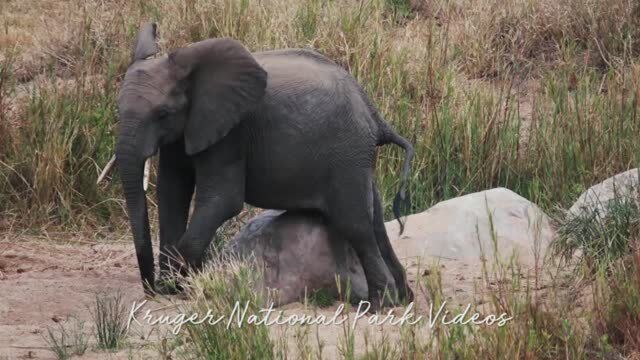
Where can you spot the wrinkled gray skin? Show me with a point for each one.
(282, 129)
(298, 256)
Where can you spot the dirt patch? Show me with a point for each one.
(43, 283)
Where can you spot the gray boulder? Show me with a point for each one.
(473, 226)
(298, 257)
(598, 198)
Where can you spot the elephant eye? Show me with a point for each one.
(163, 113)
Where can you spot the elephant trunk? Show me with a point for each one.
(131, 165)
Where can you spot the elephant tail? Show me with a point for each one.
(402, 200)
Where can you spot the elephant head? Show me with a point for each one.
(197, 93)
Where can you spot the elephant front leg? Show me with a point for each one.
(219, 197)
(176, 182)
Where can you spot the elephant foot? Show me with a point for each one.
(375, 306)
(406, 294)
(384, 299)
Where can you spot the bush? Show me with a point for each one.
(599, 241)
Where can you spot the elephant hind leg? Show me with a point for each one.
(350, 217)
(404, 291)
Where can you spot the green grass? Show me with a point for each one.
(450, 81)
(468, 136)
(67, 340)
(597, 241)
(603, 248)
(220, 288)
(617, 305)
(556, 313)
(399, 8)
(321, 298)
(52, 176)
(109, 316)
(61, 133)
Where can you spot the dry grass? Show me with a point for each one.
(452, 76)
(468, 134)
(556, 315)
(416, 70)
(524, 35)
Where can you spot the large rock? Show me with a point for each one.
(297, 256)
(474, 226)
(598, 197)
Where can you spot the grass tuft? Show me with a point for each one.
(599, 239)
(221, 287)
(321, 298)
(110, 318)
(65, 342)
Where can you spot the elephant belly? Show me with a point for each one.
(289, 184)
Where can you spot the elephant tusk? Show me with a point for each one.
(107, 169)
(145, 178)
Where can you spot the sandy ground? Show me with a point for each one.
(43, 283)
(48, 281)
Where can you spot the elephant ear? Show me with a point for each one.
(224, 83)
(146, 42)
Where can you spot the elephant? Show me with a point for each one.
(284, 129)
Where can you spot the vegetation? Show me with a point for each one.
(539, 96)
(67, 340)
(225, 285)
(554, 316)
(109, 316)
(599, 239)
